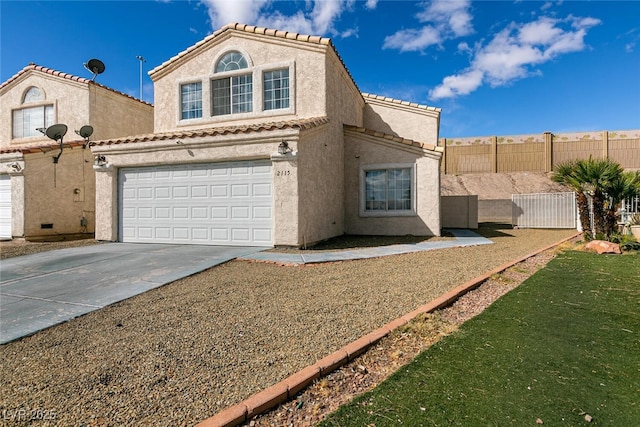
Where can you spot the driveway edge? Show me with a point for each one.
(286, 389)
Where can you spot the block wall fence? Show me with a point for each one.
(537, 152)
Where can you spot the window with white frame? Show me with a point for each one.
(276, 89)
(234, 93)
(388, 190)
(191, 100)
(237, 88)
(28, 119)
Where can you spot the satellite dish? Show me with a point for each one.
(85, 131)
(56, 132)
(95, 66)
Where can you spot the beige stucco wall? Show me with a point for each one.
(362, 150)
(306, 61)
(60, 194)
(321, 170)
(410, 121)
(459, 211)
(263, 145)
(69, 98)
(64, 193)
(113, 115)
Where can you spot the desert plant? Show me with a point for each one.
(626, 241)
(606, 183)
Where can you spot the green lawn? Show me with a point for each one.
(563, 345)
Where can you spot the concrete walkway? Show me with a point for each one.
(463, 238)
(41, 290)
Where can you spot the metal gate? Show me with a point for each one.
(544, 210)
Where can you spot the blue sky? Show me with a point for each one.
(494, 67)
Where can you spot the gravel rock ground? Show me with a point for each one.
(181, 353)
(14, 248)
(366, 371)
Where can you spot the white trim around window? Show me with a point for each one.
(257, 73)
(384, 192)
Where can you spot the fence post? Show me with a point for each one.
(494, 154)
(605, 145)
(548, 151)
(443, 159)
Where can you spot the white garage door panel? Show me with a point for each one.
(216, 203)
(5, 207)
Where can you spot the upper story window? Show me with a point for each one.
(388, 190)
(191, 100)
(276, 89)
(236, 88)
(28, 118)
(232, 94)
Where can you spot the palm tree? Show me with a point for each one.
(565, 173)
(592, 177)
(598, 175)
(626, 186)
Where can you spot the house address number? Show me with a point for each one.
(283, 173)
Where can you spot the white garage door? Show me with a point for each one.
(5, 207)
(208, 204)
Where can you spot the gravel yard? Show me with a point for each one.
(179, 354)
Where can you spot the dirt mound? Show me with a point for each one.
(490, 186)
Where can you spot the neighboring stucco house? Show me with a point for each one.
(261, 137)
(46, 191)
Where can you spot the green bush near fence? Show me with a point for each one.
(562, 349)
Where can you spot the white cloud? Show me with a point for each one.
(546, 6)
(443, 19)
(412, 39)
(512, 52)
(222, 12)
(458, 84)
(318, 18)
(371, 4)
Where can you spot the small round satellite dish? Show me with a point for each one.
(56, 132)
(95, 66)
(85, 131)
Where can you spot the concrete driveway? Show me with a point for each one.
(41, 290)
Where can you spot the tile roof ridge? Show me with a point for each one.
(399, 101)
(251, 29)
(67, 76)
(44, 147)
(391, 137)
(301, 124)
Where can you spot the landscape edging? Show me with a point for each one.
(272, 396)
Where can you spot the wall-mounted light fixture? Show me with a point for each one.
(99, 160)
(17, 167)
(85, 132)
(284, 148)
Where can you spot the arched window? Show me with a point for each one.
(232, 94)
(230, 62)
(30, 118)
(33, 94)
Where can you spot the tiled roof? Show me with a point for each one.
(397, 101)
(41, 148)
(269, 32)
(67, 76)
(301, 124)
(393, 138)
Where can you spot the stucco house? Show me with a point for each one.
(47, 186)
(262, 137)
